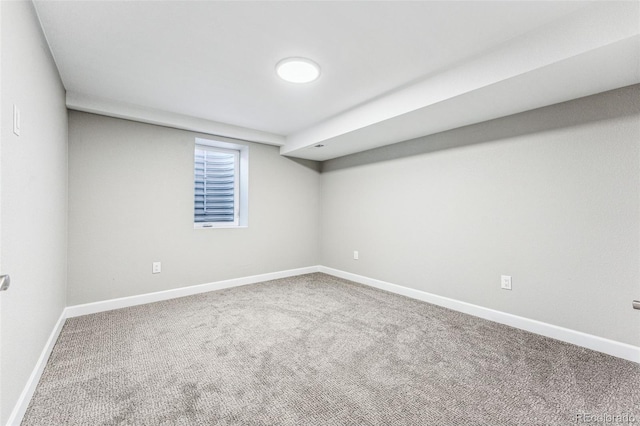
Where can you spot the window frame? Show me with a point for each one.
(241, 182)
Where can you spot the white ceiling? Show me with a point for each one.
(390, 70)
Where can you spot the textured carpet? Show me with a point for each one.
(318, 350)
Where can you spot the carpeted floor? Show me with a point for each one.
(318, 350)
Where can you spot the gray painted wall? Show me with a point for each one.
(131, 203)
(33, 201)
(549, 196)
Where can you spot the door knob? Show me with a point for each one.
(636, 304)
(5, 281)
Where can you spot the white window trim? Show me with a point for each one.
(242, 200)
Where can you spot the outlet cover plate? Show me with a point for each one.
(505, 282)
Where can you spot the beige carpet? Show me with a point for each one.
(317, 350)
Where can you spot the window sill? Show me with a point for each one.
(220, 227)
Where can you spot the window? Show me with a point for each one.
(221, 184)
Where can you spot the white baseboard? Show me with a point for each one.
(25, 397)
(589, 341)
(123, 302)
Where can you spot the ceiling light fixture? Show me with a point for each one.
(298, 70)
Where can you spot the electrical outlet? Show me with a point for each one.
(355, 255)
(156, 268)
(505, 282)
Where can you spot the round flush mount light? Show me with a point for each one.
(298, 70)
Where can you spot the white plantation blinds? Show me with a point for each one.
(216, 186)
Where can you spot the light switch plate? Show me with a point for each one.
(16, 120)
